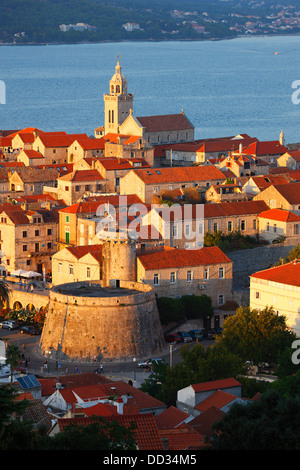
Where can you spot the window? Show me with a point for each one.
(28, 262)
(187, 229)
(254, 224)
(87, 187)
(275, 228)
(59, 269)
(77, 188)
(257, 295)
(243, 225)
(67, 218)
(155, 279)
(71, 269)
(221, 299)
(37, 233)
(206, 273)
(66, 188)
(296, 229)
(221, 273)
(189, 276)
(49, 245)
(215, 227)
(49, 231)
(268, 226)
(24, 247)
(24, 234)
(117, 182)
(229, 226)
(175, 231)
(88, 272)
(36, 247)
(172, 278)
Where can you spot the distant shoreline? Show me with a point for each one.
(226, 38)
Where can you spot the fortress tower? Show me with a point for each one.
(119, 261)
(118, 103)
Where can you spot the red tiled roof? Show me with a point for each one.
(263, 182)
(165, 122)
(33, 154)
(146, 433)
(179, 174)
(284, 274)
(59, 140)
(171, 418)
(4, 164)
(280, 215)
(218, 399)
(90, 144)
(271, 147)
(80, 251)
(82, 175)
(90, 205)
(181, 258)
(216, 385)
(204, 422)
(184, 438)
(289, 191)
(295, 154)
(70, 381)
(227, 209)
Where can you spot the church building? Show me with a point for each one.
(155, 130)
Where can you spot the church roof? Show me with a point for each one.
(165, 122)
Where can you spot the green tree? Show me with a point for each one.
(197, 306)
(4, 292)
(12, 358)
(257, 336)
(270, 423)
(198, 364)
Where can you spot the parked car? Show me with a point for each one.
(196, 335)
(30, 330)
(9, 324)
(144, 364)
(185, 337)
(208, 334)
(173, 338)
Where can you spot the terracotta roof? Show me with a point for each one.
(284, 274)
(59, 140)
(295, 154)
(216, 385)
(90, 144)
(165, 122)
(236, 208)
(183, 438)
(91, 204)
(178, 258)
(289, 191)
(263, 182)
(146, 433)
(179, 174)
(4, 164)
(80, 251)
(82, 175)
(271, 147)
(18, 217)
(204, 422)
(30, 174)
(70, 381)
(171, 418)
(114, 163)
(218, 399)
(33, 154)
(280, 215)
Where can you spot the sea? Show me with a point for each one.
(245, 85)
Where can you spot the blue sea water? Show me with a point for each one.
(225, 87)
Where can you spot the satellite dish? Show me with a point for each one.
(124, 398)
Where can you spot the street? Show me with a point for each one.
(129, 369)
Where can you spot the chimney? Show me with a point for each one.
(120, 406)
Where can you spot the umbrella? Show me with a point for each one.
(31, 274)
(18, 272)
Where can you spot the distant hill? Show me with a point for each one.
(38, 21)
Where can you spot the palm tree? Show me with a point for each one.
(12, 358)
(4, 292)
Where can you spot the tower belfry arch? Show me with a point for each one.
(118, 102)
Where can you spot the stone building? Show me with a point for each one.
(177, 272)
(73, 186)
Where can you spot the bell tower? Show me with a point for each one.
(117, 103)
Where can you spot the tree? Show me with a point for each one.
(198, 364)
(197, 306)
(4, 292)
(269, 423)
(12, 358)
(256, 336)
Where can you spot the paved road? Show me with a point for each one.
(125, 370)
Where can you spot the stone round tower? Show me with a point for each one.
(119, 261)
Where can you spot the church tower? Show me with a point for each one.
(118, 103)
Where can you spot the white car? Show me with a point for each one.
(143, 364)
(9, 324)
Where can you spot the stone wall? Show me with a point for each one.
(247, 262)
(84, 321)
